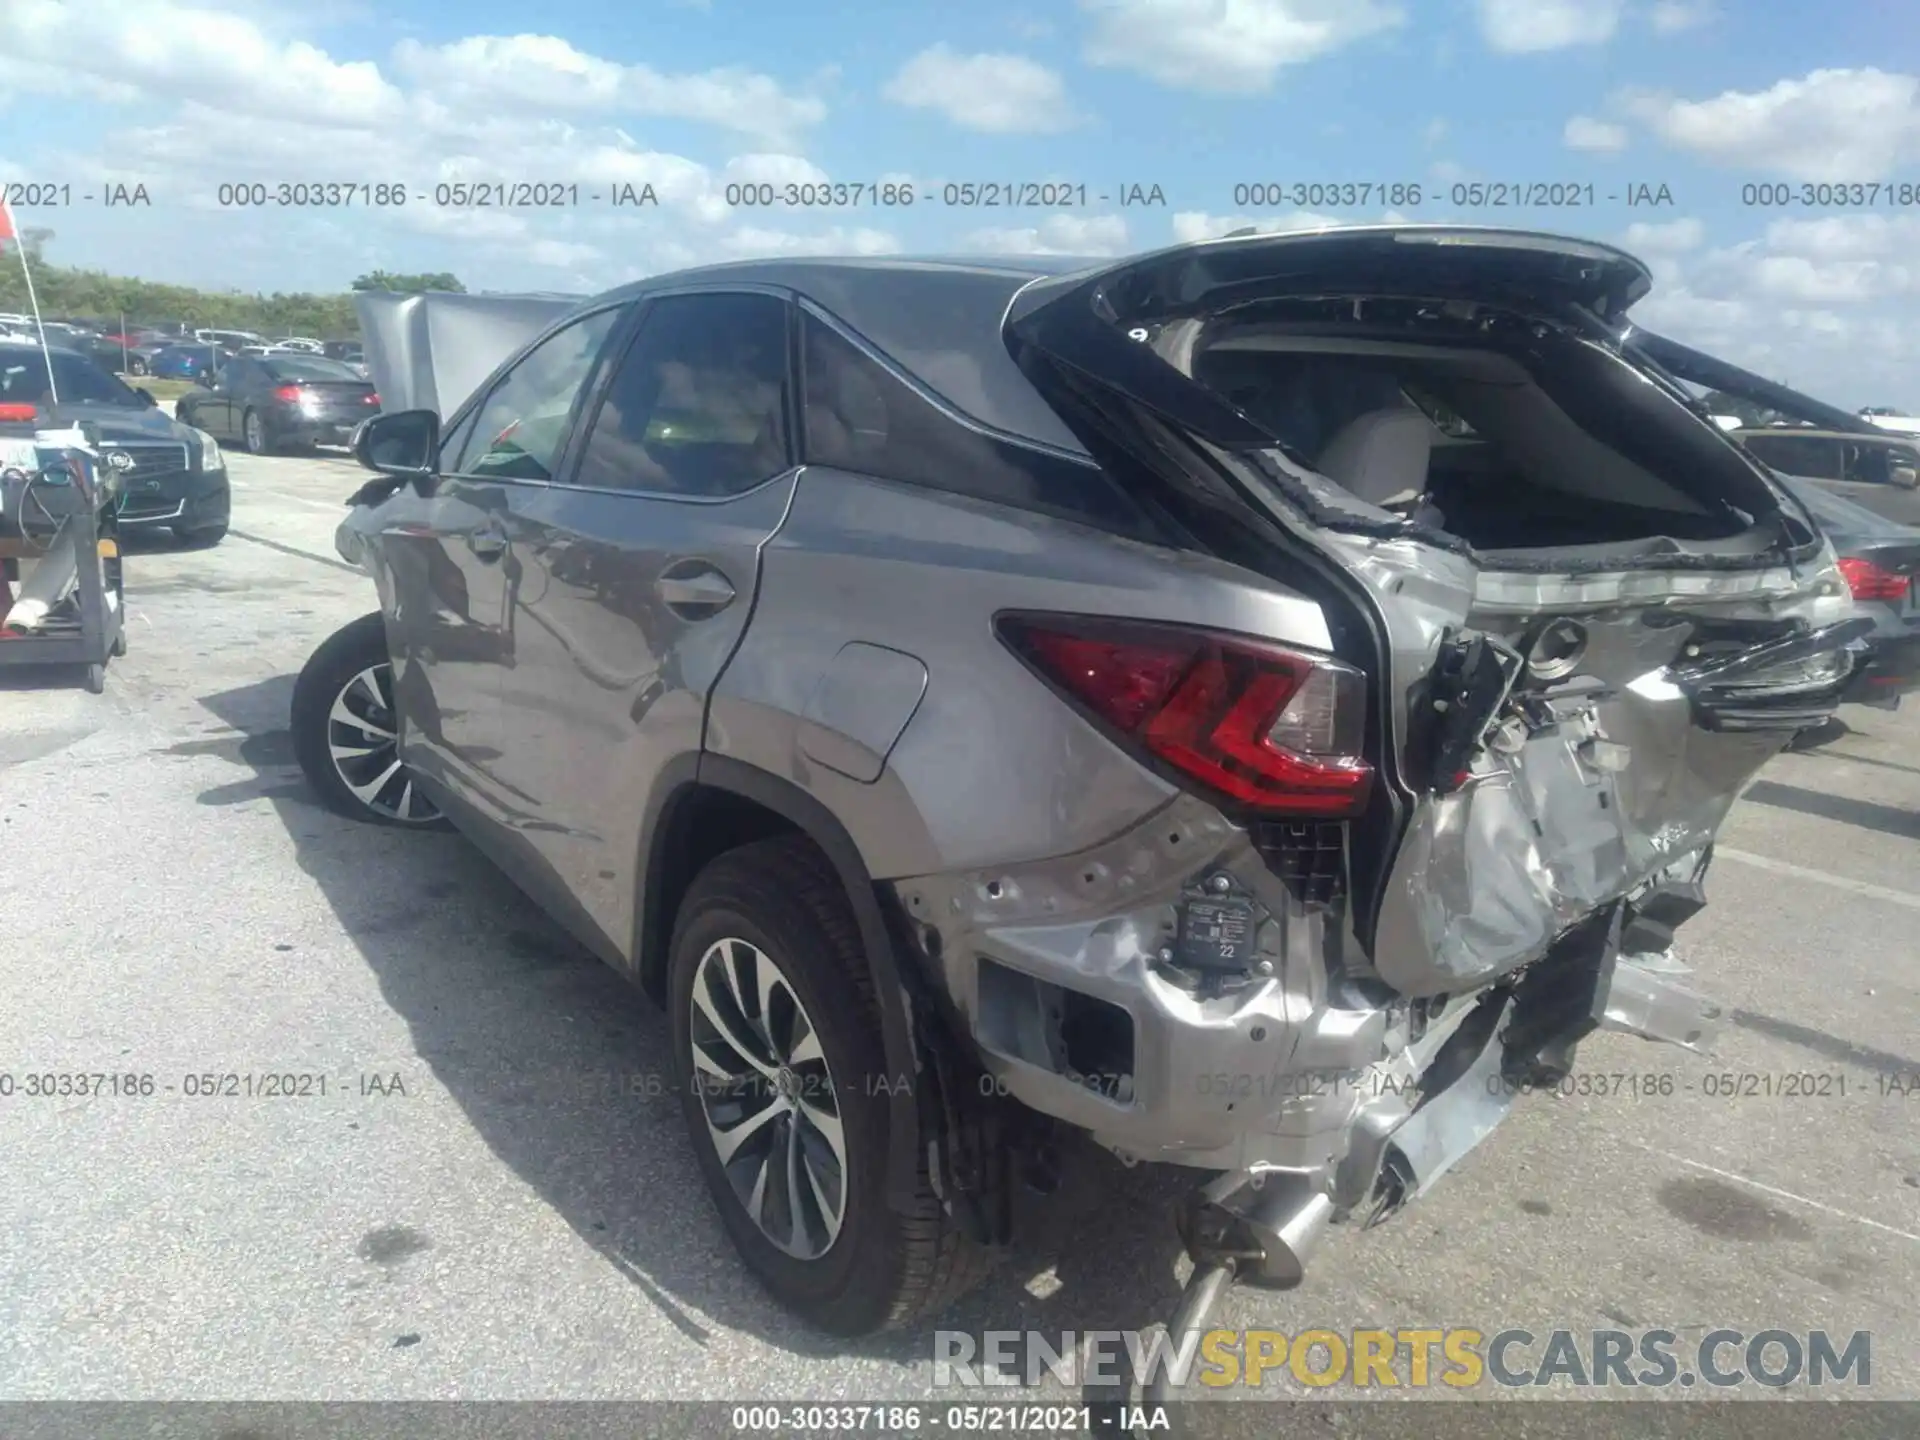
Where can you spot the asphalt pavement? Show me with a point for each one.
(486, 1203)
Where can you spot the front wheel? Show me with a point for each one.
(346, 731)
(776, 1040)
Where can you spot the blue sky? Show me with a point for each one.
(1706, 98)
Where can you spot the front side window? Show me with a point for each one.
(523, 422)
(697, 406)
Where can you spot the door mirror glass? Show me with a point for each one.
(403, 443)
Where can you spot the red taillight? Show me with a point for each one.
(1868, 581)
(372, 398)
(1271, 729)
(289, 393)
(18, 412)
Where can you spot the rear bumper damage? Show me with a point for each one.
(1183, 994)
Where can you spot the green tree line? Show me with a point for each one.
(94, 294)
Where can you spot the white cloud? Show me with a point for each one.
(488, 71)
(220, 91)
(998, 94)
(1056, 235)
(1190, 225)
(1646, 238)
(1844, 125)
(1516, 27)
(758, 241)
(1229, 46)
(1670, 17)
(1435, 132)
(1599, 137)
(1827, 305)
(125, 50)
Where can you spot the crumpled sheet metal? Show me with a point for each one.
(432, 351)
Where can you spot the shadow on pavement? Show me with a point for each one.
(561, 1067)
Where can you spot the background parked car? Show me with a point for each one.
(185, 362)
(271, 402)
(175, 476)
(1879, 473)
(1880, 558)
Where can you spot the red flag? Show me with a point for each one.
(7, 232)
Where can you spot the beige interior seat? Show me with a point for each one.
(1381, 456)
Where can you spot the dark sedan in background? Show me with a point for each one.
(274, 402)
(174, 475)
(1880, 558)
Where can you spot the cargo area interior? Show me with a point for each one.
(1502, 432)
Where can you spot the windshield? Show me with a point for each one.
(309, 367)
(23, 380)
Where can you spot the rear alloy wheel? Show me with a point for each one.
(783, 1080)
(253, 433)
(769, 1098)
(346, 732)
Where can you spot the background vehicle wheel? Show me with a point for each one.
(201, 537)
(776, 1041)
(344, 731)
(253, 433)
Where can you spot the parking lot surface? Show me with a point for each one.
(485, 1204)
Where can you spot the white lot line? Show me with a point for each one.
(1775, 1191)
(1840, 882)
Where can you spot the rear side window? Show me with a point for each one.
(862, 418)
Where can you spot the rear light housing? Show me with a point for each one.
(1263, 728)
(18, 414)
(292, 394)
(1868, 581)
(372, 398)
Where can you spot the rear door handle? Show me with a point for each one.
(489, 542)
(694, 590)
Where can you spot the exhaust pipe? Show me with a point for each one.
(1206, 1288)
(1262, 1228)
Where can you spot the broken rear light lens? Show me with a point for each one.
(1868, 581)
(1271, 729)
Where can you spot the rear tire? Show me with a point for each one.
(882, 1269)
(253, 434)
(344, 678)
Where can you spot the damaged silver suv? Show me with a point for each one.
(1259, 704)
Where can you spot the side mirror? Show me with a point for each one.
(1905, 476)
(405, 444)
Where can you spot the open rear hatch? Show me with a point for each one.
(1594, 616)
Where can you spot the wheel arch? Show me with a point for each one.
(708, 804)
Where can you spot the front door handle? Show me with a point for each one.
(488, 542)
(693, 589)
